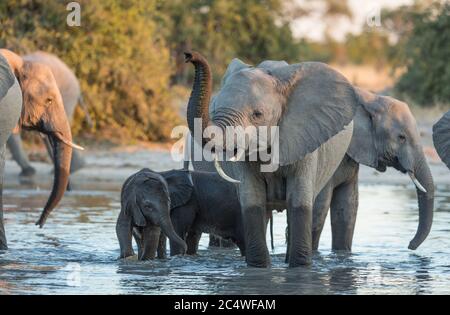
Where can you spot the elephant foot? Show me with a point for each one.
(28, 172)
(263, 263)
(128, 256)
(300, 262)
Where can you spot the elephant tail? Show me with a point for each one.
(83, 106)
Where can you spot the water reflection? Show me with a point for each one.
(79, 242)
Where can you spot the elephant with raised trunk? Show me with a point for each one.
(312, 105)
(69, 88)
(384, 135)
(441, 138)
(35, 103)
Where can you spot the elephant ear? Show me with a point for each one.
(235, 65)
(363, 147)
(441, 138)
(129, 201)
(180, 187)
(319, 103)
(6, 77)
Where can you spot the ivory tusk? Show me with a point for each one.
(416, 182)
(238, 156)
(221, 172)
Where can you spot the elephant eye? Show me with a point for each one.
(402, 138)
(48, 101)
(256, 114)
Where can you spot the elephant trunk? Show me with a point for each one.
(62, 156)
(198, 106)
(425, 197)
(167, 228)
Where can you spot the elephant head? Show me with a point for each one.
(147, 198)
(43, 111)
(385, 134)
(441, 138)
(309, 103)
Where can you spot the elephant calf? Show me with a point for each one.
(198, 202)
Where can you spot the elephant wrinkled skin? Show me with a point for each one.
(313, 106)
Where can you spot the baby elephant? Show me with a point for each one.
(199, 202)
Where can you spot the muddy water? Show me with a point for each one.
(76, 252)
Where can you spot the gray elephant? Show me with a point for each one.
(71, 94)
(385, 135)
(200, 202)
(29, 96)
(441, 138)
(312, 105)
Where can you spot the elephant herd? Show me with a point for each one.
(325, 128)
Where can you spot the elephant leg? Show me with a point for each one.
(3, 243)
(344, 207)
(192, 240)
(124, 230)
(137, 235)
(150, 242)
(320, 211)
(300, 198)
(19, 155)
(214, 241)
(182, 220)
(162, 245)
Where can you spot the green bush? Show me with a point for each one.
(427, 56)
(118, 54)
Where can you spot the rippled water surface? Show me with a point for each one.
(76, 252)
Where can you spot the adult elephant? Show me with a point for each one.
(312, 105)
(37, 105)
(385, 135)
(70, 90)
(441, 138)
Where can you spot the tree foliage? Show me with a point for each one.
(118, 54)
(426, 54)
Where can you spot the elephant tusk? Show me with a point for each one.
(237, 157)
(416, 182)
(221, 172)
(68, 142)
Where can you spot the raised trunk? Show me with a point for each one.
(426, 203)
(169, 231)
(198, 106)
(62, 158)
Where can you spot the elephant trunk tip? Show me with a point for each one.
(42, 220)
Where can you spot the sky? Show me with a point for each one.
(313, 28)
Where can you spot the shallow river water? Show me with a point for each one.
(76, 252)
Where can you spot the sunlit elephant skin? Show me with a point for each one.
(441, 138)
(313, 106)
(70, 90)
(200, 202)
(385, 135)
(40, 105)
(10, 109)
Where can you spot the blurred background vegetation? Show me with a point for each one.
(128, 54)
